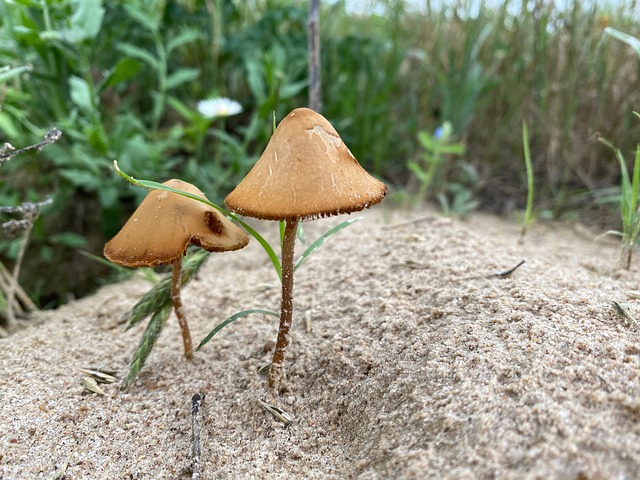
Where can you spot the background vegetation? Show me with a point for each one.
(122, 79)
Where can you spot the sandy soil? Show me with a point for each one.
(418, 365)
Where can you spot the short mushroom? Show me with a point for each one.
(161, 229)
(305, 172)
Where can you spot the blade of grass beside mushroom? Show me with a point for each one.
(159, 232)
(306, 172)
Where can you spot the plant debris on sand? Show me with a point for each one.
(411, 359)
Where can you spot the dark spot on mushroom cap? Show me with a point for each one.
(213, 223)
(164, 225)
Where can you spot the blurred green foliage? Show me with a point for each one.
(122, 79)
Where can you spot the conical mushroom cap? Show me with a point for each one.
(305, 172)
(164, 224)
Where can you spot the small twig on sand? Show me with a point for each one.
(196, 403)
(414, 221)
(506, 273)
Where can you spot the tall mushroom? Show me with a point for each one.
(161, 229)
(305, 172)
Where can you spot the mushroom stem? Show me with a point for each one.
(176, 283)
(276, 373)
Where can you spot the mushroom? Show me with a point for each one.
(161, 229)
(305, 172)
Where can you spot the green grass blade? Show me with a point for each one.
(265, 245)
(233, 318)
(281, 227)
(151, 302)
(160, 295)
(635, 215)
(7, 73)
(323, 238)
(626, 198)
(630, 40)
(300, 234)
(192, 263)
(159, 186)
(149, 338)
(635, 182)
(528, 216)
(105, 262)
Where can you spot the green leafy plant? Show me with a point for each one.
(436, 150)
(630, 40)
(629, 207)
(457, 196)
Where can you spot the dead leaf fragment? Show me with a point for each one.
(89, 383)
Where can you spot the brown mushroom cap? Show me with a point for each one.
(305, 172)
(164, 224)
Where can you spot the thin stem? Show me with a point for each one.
(625, 255)
(13, 281)
(25, 304)
(313, 42)
(50, 137)
(276, 373)
(176, 281)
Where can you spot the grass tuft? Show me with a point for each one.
(149, 338)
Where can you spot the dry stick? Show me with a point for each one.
(27, 303)
(313, 44)
(5, 280)
(176, 281)
(196, 403)
(13, 281)
(51, 136)
(30, 212)
(276, 373)
(506, 273)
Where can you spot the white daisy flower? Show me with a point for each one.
(219, 107)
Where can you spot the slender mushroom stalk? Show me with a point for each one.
(306, 172)
(286, 310)
(161, 229)
(176, 300)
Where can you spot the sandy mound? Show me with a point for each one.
(418, 365)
